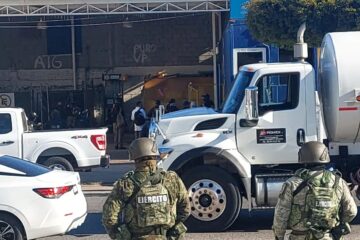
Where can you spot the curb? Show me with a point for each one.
(120, 161)
(96, 193)
(97, 188)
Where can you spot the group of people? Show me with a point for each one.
(140, 117)
(69, 116)
(172, 107)
(152, 204)
(117, 119)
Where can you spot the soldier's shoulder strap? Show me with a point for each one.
(129, 174)
(304, 183)
(336, 172)
(332, 173)
(302, 173)
(337, 175)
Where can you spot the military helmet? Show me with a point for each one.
(314, 152)
(141, 148)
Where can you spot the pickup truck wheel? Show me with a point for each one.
(214, 199)
(10, 228)
(59, 163)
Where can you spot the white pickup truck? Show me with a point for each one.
(249, 148)
(63, 149)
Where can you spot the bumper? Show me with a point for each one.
(105, 161)
(62, 227)
(59, 216)
(77, 222)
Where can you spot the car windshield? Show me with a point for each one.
(22, 167)
(236, 96)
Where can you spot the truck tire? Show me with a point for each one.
(214, 199)
(11, 228)
(59, 163)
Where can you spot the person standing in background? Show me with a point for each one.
(152, 111)
(186, 104)
(56, 117)
(171, 106)
(138, 116)
(118, 126)
(207, 102)
(70, 119)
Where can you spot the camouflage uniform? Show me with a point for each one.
(287, 216)
(124, 189)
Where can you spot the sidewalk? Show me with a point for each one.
(117, 157)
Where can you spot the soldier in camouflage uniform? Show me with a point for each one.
(315, 203)
(148, 203)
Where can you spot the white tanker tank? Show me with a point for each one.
(339, 76)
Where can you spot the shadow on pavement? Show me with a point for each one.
(91, 226)
(253, 221)
(258, 220)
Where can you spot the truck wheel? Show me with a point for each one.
(59, 163)
(214, 199)
(11, 228)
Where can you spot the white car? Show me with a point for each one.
(36, 201)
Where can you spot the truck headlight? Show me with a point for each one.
(165, 152)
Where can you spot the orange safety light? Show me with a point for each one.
(358, 98)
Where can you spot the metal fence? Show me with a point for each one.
(42, 100)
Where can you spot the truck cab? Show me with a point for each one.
(286, 111)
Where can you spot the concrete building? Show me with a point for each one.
(37, 62)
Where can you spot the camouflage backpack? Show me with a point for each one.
(322, 203)
(151, 203)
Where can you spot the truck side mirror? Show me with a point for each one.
(251, 107)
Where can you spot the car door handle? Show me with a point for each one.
(5, 143)
(300, 137)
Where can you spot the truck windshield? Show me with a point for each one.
(236, 96)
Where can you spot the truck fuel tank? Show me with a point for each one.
(267, 188)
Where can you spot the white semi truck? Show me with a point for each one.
(248, 149)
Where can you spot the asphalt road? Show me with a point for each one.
(254, 226)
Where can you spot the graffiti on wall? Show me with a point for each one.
(48, 62)
(141, 52)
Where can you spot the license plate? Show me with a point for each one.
(75, 189)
